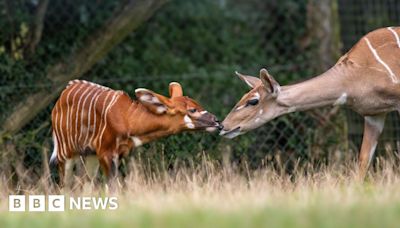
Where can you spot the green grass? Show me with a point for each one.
(359, 215)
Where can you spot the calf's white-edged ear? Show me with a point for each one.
(151, 100)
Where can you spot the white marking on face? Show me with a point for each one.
(136, 141)
(261, 111)
(255, 96)
(211, 129)
(188, 121)
(240, 107)
(257, 120)
(203, 112)
(375, 53)
(341, 100)
(230, 135)
(396, 36)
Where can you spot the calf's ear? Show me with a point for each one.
(154, 102)
(175, 90)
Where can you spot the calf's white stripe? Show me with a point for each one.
(77, 111)
(95, 116)
(74, 114)
(69, 142)
(62, 133)
(114, 99)
(391, 74)
(57, 130)
(89, 114)
(83, 111)
(102, 114)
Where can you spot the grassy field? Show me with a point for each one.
(209, 195)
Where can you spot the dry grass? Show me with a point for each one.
(222, 195)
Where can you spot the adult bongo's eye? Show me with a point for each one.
(192, 110)
(252, 102)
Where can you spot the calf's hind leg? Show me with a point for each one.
(110, 164)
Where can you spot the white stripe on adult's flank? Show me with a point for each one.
(98, 91)
(114, 99)
(391, 74)
(396, 36)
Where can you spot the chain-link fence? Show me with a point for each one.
(197, 43)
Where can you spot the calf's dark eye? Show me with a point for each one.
(192, 110)
(252, 102)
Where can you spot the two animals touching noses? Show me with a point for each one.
(90, 119)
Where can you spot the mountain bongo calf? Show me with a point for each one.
(91, 117)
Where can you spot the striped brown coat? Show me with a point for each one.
(90, 117)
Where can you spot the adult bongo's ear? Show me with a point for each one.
(270, 84)
(249, 80)
(154, 102)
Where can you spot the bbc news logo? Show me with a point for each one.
(54, 203)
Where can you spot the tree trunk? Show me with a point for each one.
(324, 32)
(98, 45)
(37, 27)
